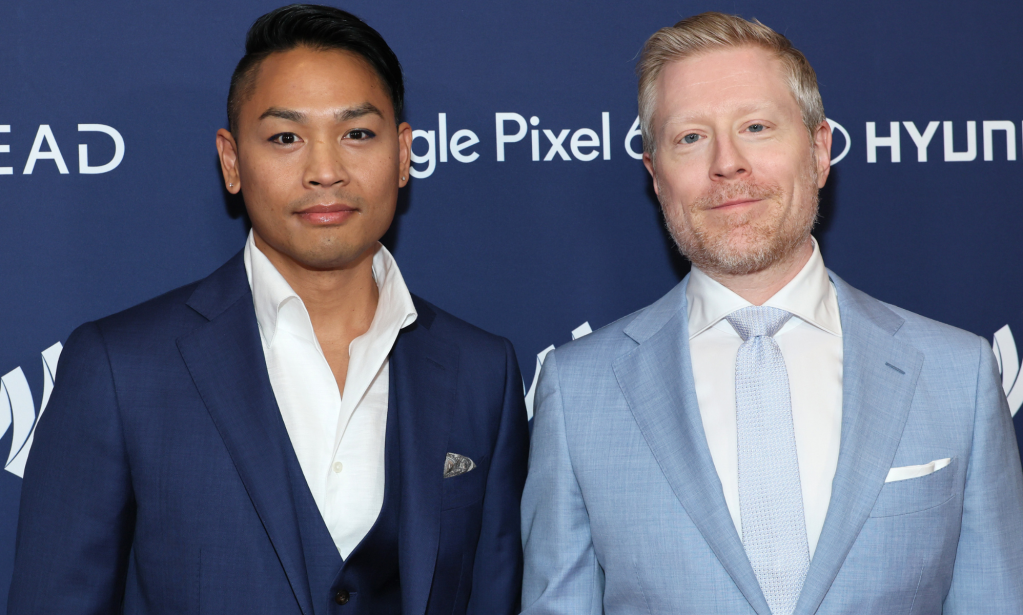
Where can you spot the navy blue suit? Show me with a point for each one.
(163, 480)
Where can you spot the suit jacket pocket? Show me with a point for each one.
(916, 494)
(465, 489)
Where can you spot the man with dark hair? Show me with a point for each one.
(296, 433)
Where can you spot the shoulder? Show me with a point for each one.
(142, 337)
(600, 349)
(950, 353)
(927, 333)
(153, 323)
(938, 341)
(468, 338)
(161, 312)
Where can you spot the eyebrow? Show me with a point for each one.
(351, 113)
(341, 115)
(284, 114)
(756, 107)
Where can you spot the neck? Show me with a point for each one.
(341, 301)
(758, 287)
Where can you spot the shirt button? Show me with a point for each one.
(337, 470)
(341, 597)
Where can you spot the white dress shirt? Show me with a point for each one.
(811, 343)
(339, 439)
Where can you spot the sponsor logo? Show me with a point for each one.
(45, 137)
(17, 409)
(959, 140)
(544, 144)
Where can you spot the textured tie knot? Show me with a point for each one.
(757, 320)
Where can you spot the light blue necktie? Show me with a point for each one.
(770, 498)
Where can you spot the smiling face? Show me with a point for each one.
(318, 158)
(733, 168)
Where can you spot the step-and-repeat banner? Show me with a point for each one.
(530, 213)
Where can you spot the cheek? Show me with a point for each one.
(375, 177)
(376, 180)
(679, 183)
(269, 178)
(276, 170)
(265, 192)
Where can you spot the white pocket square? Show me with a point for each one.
(456, 465)
(907, 472)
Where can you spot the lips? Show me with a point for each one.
(735, 203)
(327, 214)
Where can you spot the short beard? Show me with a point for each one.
(763, 243)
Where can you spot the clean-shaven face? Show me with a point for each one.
(734, 169)
(320, 158)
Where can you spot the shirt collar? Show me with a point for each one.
(810, 296)
(272, 296)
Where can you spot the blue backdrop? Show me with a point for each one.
(922, 208)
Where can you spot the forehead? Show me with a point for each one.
(724, 81)
(303, 78)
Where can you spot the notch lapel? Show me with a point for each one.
(225, 360)
(424, 371)
(657, 381)
(879, 378)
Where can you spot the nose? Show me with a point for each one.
(325, 165)
(729, 161)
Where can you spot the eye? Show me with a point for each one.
(284, 138)
(360, 134)
(756, 128)
(691, 138)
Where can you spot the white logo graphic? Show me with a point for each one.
(44, 136)
(1008, 366)
(17, 408)
(836, 127)
(951, 143)
(580, 331)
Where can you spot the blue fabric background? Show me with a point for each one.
(529, 250)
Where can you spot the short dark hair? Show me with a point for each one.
(318, 27)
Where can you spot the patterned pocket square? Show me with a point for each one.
(456, 465)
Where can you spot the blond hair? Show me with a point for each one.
(712, 31)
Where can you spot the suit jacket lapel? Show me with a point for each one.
(423, 369)
(657, 381)
(225, 360)
(879, 379)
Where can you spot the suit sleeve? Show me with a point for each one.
(561, 574)
(497, 572)
(77, 509)
(988, 573)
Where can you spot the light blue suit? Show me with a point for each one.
(623, 511)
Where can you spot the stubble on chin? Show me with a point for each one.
(743, 245)
(331, 247)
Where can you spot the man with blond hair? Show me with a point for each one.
(764, 438)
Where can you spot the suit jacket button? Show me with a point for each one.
(341, 597)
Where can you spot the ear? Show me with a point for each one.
(822, 152)
(404, 153)
(227, 149)
(648, 162)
